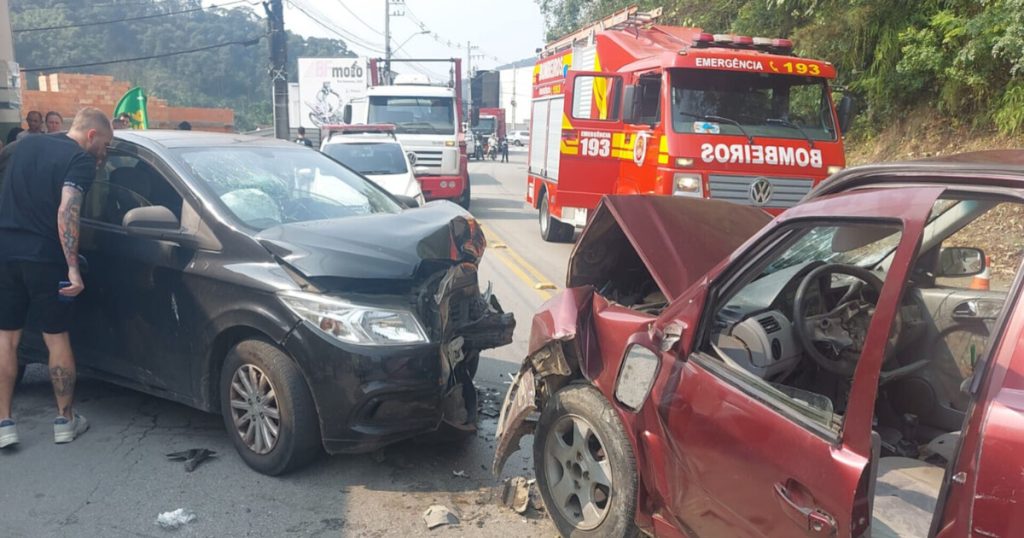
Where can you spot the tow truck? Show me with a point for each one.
(629, 106)
(428, 122)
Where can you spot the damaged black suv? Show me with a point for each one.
(265, 281)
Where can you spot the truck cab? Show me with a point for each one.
(427, 122)
(635, 107)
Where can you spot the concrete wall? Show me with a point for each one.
(66, 93)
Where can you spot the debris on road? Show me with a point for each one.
(517, 494)
(460, 474)
(192, 457)
(438, 515)
(490, 402)
(175, 519)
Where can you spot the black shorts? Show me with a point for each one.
(28, 290)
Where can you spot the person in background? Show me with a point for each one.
(34, 119)
(302, 138)
(45, 180)
(504, 149)
(54, 122)
(124, 120)
(184, 126)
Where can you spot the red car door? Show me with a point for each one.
(734, 460)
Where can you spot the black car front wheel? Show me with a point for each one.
(585, 467)
(267, 408)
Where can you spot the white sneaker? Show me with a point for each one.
(8, 433)
(65, 431)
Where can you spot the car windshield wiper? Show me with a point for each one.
(719, 119)
(787, 123)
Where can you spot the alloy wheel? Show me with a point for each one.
(579, 472)
(254, 409)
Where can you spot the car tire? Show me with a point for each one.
(464, 199)
(268, 370)
(553, 230)
(518, 143)
(580, 439)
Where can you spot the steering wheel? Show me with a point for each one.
(835, 339)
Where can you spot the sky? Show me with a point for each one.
(504, 30)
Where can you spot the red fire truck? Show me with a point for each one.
(628, 106)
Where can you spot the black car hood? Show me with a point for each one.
(383, 246)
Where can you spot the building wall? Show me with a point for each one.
(517, 84)
(66, 93)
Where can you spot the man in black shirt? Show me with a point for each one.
(45, 179)
(302, 138)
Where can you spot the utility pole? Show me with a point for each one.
(387, 41)
(278, 66)
(469, 77)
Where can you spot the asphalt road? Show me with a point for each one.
(115, 480)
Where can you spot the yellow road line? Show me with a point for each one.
(519, 266)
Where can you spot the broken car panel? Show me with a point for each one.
(817, 381)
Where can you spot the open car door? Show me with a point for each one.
(730, 452)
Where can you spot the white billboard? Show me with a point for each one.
(326, 85)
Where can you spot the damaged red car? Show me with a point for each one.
(850, 369)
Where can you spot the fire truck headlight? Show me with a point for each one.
(833, 169)
(684, 162)
(687, 185)
(449, 143)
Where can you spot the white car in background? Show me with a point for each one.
(519, 138)
(373, 151)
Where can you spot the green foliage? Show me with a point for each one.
(964, 58)
(235, 77)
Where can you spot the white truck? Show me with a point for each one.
(428, 123)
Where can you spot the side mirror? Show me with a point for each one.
(346, 114)
(960, 261)
(845, 113)
(629, 104)
(408, 201)
(156, 222)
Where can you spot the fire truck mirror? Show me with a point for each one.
(346, 114)
(845, 112)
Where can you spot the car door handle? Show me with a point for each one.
(815, 521)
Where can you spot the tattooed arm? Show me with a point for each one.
(68, 227)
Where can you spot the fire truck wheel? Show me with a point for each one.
(553, 230)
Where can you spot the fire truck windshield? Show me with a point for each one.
(414, 115)
(751, 105)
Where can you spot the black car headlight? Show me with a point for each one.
(355, 323)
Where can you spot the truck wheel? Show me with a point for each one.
(267, 408)
(464, 199)
(553, 230)
(585, 467)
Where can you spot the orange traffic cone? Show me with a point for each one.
(981, 281)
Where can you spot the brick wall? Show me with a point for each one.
(68, 92)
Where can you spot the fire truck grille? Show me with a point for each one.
(428, 158)
(742, 190)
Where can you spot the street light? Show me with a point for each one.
(407, 40)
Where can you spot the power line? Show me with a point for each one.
(247, 42)
(353, 13)
(127, 19)
(351, 39)
(436, 37)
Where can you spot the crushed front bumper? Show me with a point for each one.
(371, 396)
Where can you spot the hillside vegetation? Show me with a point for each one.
(235, 76)
(961, 59)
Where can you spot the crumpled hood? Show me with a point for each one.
(381, 246)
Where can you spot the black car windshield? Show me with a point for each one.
(414, 115)
(776, 106)
(266, 186)
(369, 158)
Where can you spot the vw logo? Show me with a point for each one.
(412, 157)
(760, 191)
